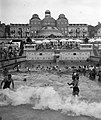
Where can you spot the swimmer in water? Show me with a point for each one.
(7, 82)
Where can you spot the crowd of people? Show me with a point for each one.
(90, 71)
(58, 45)
(7, 52)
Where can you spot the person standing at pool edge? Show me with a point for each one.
(7, 82)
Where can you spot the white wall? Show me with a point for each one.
(36, 55)
(74, 55)
(30, 55)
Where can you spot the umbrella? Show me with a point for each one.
(98, 40)
(38, 42)
(77, 40)
(46, 41)
(91, 40)
(63, 40)
(54, 40)
(33, 40)
(70, 40)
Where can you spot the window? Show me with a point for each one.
(62, 29)
(65, 31)
(58, 22)
(74, 53)
(40, 53)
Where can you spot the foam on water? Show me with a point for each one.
(48, 98)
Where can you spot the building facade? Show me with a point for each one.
(49, 26)
(48, 20)
(97, 32)
(78, 30)
(19, 30)
(34, 25)
(61, 25)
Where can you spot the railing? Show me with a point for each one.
(11, 62)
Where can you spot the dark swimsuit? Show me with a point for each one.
(7, 84)
(75, 88)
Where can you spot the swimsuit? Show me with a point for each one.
(7, 84)
(75, 90)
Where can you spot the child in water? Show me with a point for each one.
(74, 84)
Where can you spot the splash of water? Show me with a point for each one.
(47, 97)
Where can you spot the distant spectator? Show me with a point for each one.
(5, 72)
(99, 76)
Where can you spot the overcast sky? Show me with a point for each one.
(76, 11)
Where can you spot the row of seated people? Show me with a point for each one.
(58, 45)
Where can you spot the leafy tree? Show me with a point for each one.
(91, 31)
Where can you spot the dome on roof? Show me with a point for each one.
(48, 21)
(47, 12)
(35, 16)
(62, 16)
(47, 31)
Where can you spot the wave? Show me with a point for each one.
(49, 98)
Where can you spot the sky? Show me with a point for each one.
(76, 11)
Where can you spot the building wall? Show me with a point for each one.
(19, 30)
(48, 20)
(35, 25)
(78, 30)
(62, 24)
(98, 34)
(79, 56)
(74, 55)
(30, 55)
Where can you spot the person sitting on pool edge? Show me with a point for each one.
(74, 84)
(7, 82)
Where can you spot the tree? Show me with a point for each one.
(7, 31)
(91, 31)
